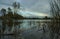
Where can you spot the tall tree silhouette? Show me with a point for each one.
(10, 13)
(55, 7)
(4, 19)
(16, 6)
(3, 11)
(55, 11)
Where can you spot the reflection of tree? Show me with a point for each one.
(11, 25)
(38, 25)
(4, 20)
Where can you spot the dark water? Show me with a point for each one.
(25, 29)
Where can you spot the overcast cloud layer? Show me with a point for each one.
(40, 6)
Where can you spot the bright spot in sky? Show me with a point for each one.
(32, 14)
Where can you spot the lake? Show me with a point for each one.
(25, 29)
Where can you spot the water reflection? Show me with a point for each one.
(10, 26)
(27, 29)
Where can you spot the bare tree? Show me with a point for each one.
(55, 11)
(16, 6)
(55, 7)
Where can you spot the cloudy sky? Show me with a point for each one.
(34, 7)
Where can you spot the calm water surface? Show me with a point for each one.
(25, 29)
